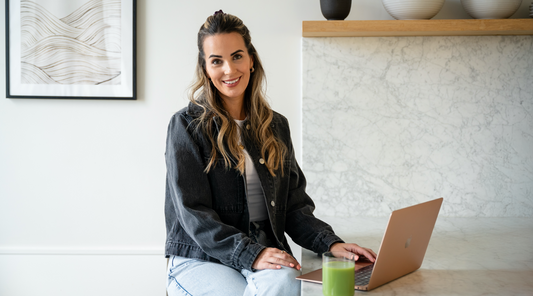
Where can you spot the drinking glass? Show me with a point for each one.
(338, 274)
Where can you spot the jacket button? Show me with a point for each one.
(261, 161)
(272, 203)
(247, 126)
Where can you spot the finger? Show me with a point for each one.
(269, 265)
(281, 257)
(369, 254)
(274, 266)
(285, 259)
(293, 262)
(268, 262)
(372, 252)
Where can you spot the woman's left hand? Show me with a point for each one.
(272, 258)
(355, 249)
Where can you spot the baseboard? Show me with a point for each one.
(80, 251)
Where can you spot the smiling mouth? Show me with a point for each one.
(231, 82)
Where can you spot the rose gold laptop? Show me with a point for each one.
(402, 249)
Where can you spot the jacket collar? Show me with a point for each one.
(194, 110)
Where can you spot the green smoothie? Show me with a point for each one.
(338, 278)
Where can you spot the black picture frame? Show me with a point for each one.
(71, 49)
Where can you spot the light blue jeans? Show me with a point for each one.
(192, 277)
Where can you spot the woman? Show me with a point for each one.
(233, 185)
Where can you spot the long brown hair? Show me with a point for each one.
(204, 94)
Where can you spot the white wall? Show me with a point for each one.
(82, 182)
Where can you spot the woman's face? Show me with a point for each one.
(228, 64)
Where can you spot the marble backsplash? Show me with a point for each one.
(393, 121)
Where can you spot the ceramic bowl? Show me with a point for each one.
(491, 9)
(413, 9)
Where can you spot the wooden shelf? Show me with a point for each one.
(392, 28)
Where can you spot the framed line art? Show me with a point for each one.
(71, 49)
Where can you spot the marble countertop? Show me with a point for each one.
(466, 256)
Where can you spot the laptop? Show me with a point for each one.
(402, 249)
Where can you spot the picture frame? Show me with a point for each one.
(71, 49)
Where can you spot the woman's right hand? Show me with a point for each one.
(272, 258)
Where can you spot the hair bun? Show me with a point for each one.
(217, 12)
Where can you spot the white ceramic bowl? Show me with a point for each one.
(491, 9)
(413, 9)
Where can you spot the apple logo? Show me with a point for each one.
(408, 242)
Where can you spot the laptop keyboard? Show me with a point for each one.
(362, 276)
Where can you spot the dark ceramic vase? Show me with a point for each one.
(335, 10)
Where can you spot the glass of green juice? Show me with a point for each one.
(338, 274)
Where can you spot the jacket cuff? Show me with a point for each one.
(247, 257)
(324, 240)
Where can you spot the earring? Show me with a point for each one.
(252, 70)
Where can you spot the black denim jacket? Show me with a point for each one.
(207, 214)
